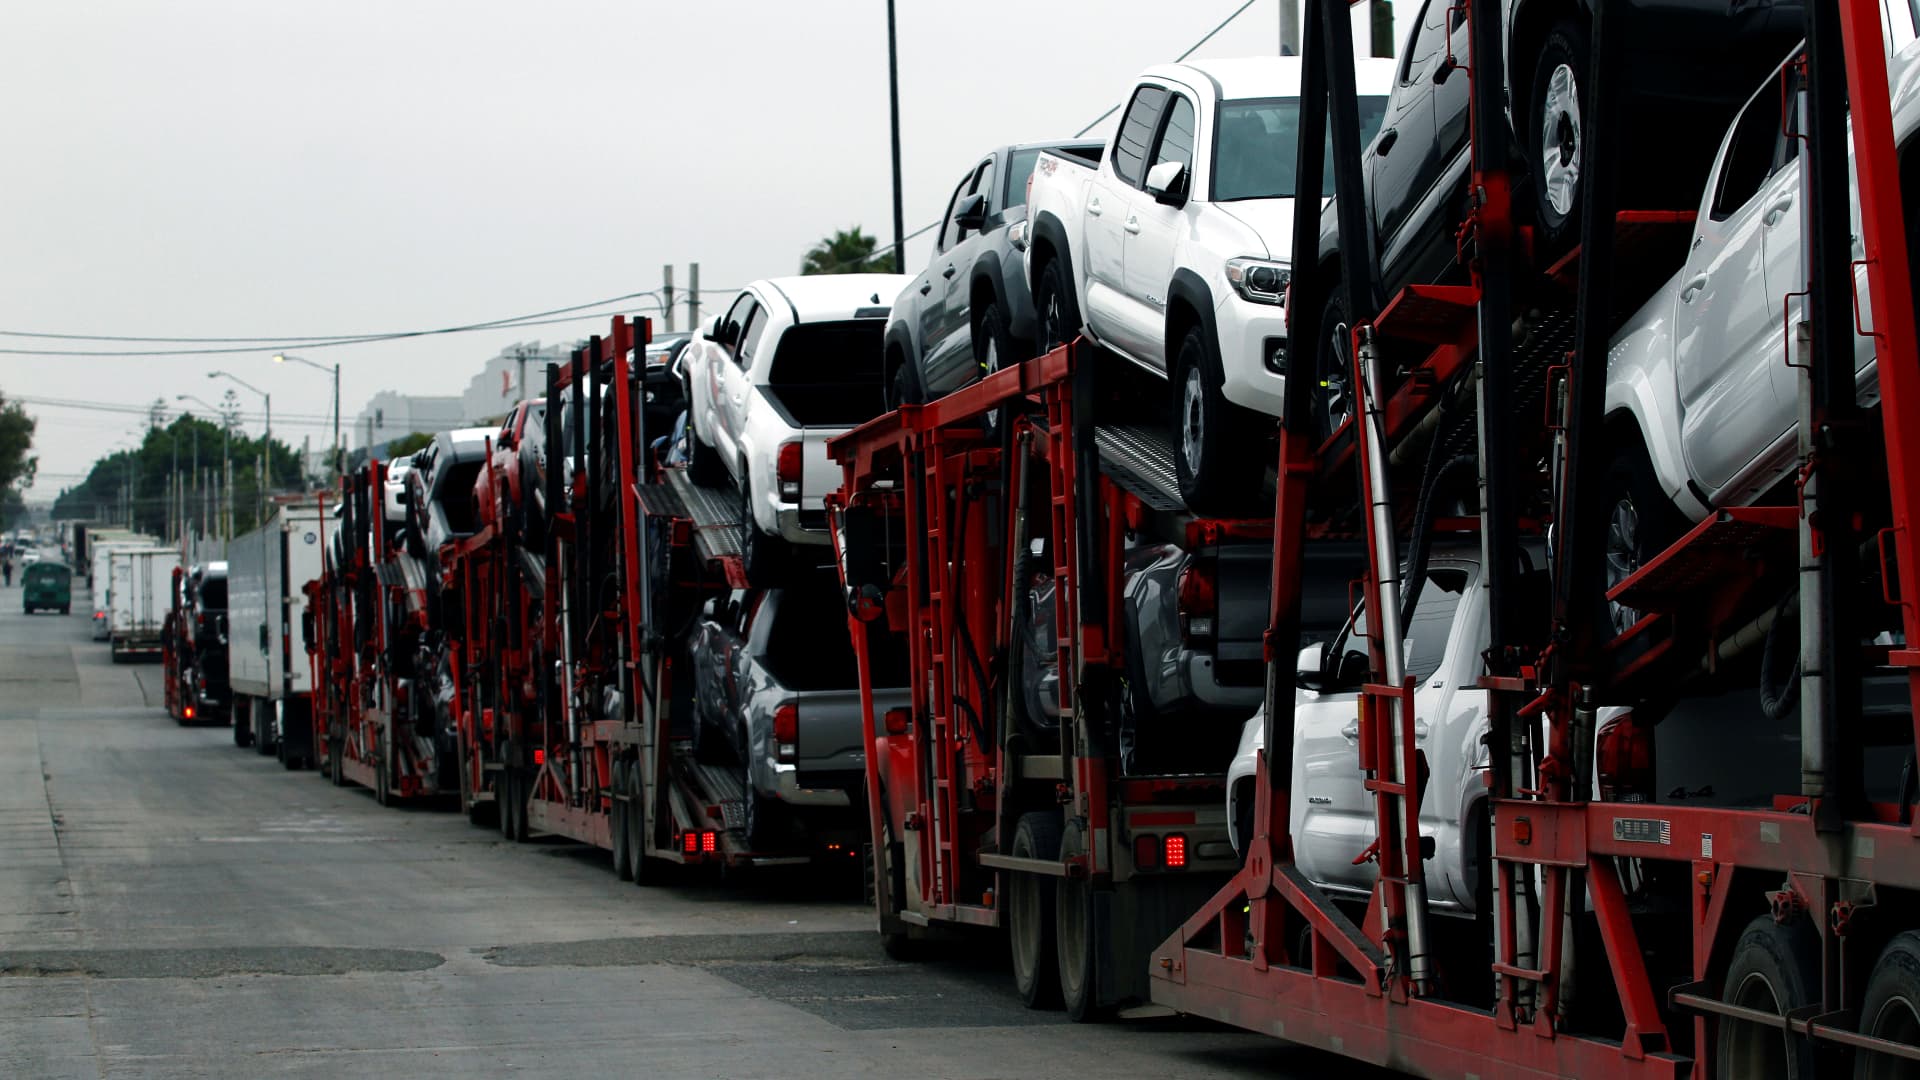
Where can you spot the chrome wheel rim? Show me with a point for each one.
(1333, 382)
(1192, 423)
(1899, 1021)
(1560, 140)
(1623, 558)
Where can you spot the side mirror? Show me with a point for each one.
(971, 212)
(1167, 183)
(1310, 667)
(711, 607)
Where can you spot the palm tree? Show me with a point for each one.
(847, 251)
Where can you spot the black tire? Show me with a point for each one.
(646, 870)
(242, 721)
(1891, 1008)
(904, 385)
(704, 466)
(1074, 935)
(503, 794)
(1775, 968)
(383, 774)
(899, 943)
(994, 349)
(1641, 522)
(765, 558)
(519, 786)
(66, 609)
(1333, 398)
(1556, 161)
(1030, 913)
(336, 762)
(617, 824)
(1217, 457)
(1055, 309)
(264, 743)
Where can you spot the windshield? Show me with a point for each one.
(1256, 149)
(1431, 627)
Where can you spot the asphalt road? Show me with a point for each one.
(171, 906)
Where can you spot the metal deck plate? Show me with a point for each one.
(715, 515)
(1140, 460)
(724, 786)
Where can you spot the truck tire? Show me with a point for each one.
(1217, 459)
(704, 466)
(993, 349)
(1641, 522)
(1556, 161)
(646, 871)
(336, 763)
(1891, 1009)
(1056, 313)
(1775, 968)
(242, 721)
(264, 742)
(1030, 912)
(66, 609)
(1074, 933)
(1333, 399)
(899, 944)
(617, 824)
(765, 558)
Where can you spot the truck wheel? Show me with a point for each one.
(1641, 523)
(1891, 1009)
(1556, 159)
(903, 385)
(264, 742)
(993, 349)
(899, 944)
(1775, 969)
(66, 609)
(336, 765)
(646, 871)
(1333, 400)
(515, 812)
(617, 824)
(1054, 307)
(1217, 459)
(242, 721)
(704, 466)
(1030, 913)
(763, 557)
(1073, 908)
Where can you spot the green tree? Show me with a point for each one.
(173, 450)
(17, 464)
(407, 444)
(847, 251)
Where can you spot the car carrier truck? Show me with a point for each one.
(271, 680)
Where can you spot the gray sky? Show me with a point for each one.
(206, 168)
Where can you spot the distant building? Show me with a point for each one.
(497, 388)
(389, 415)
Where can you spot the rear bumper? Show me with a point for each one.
(787, 789)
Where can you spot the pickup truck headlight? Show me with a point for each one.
(1260, 280)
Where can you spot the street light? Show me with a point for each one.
(226, 450)
(266, 451)
(281, 358)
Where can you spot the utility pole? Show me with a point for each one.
(666, 298)
(693, 297)
(1289, 27)
(893, 95)
(1382, 12)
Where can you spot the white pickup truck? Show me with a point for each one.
(793, 362)
(1176, 250)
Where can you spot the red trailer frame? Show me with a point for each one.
(1817, 860)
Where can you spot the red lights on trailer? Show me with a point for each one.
(1146, 852)
(1197, 592)
(709, 842)
(1623, 758)
(1160, 853)
(189, 712)
(539, 757)
(1176, 852)
(690, 843)
(896, 720)
(700, 842)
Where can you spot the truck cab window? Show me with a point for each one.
(1131, 143)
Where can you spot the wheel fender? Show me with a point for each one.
(899, 335)
(1643, 395)
(1190, 290)
(986, 270)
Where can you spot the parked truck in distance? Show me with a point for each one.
(271, 680)
(138, 592)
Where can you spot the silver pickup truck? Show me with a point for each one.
(776, 692)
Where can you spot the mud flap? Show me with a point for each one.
(1132, 919)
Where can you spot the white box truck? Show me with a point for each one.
(267, 648)
(139, 595)
(106, 542)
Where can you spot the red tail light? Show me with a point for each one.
(1623, 756)
(188, 712)
(787, 471)
(1146, 852)
(1176, 852)
(896, 720)
(786, 731)
(690, 843)
(709, 842)
(1197, 591)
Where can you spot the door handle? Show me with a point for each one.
(1778, 210)
(1133, 225)
(1385, 142)
(1351, 732)
(738, 398)
(1093, 206)
(1692, 288)
(927, 288)
(948, 272)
